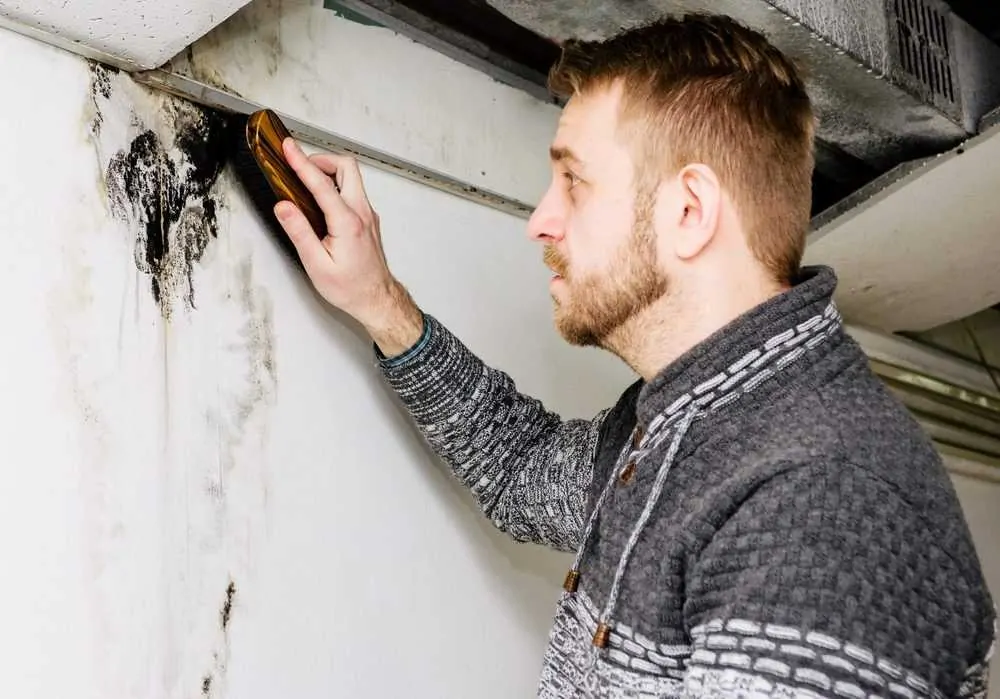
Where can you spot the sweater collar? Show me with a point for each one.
(747, 350)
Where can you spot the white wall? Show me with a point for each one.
(152, 455)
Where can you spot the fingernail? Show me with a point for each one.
(282, 210)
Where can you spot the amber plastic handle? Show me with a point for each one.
(265, 134)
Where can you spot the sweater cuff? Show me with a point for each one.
(407, 355)
(436, 377)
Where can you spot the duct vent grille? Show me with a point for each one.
(922, 33)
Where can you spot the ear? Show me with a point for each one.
(701, 200)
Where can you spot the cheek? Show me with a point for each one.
(595, 232)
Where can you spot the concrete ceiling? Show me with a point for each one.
(137, 34)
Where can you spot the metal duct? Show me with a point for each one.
(892, 80)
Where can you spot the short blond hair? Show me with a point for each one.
(704, 88)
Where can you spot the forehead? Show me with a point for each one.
(588, 124)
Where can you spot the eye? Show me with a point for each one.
(571, 179)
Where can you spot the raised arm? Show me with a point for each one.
(528, 469)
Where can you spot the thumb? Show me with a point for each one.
(311, 251)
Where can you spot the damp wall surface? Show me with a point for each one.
(206, 489)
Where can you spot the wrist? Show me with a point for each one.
(396, 324)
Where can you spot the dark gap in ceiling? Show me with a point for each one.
(477, 19)
(469, 31)
(983, 15)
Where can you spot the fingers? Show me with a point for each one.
(348, 177)
(311, 250)
(340, 217)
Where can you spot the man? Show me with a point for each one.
(757, 515)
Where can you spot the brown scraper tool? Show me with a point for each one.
(265, 133)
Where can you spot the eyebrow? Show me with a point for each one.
(562, 154)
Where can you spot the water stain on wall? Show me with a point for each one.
(168, 190)
(258, 336)
(250, 39)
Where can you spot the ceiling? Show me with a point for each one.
(133, 34)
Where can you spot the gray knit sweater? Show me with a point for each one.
(763, 518)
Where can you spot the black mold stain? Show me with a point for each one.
(100, 86)
(227, 607)
(168, 192)
(219, 664)
(143, 182)
(100, 79)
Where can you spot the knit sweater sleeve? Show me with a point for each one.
(528, 469)
(826, 581)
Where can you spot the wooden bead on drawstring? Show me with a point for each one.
(602, 635)
(572, 581)
(626, 473)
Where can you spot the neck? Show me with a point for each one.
(654, 338)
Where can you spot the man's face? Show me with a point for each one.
(596, 227)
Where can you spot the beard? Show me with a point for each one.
(597, 305)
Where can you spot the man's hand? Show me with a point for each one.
(348, 266)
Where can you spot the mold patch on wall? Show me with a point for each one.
(167, 189)
(182, 329)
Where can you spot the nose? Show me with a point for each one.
(548, 221)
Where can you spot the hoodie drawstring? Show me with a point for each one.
(652, 441)
(603, 627)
